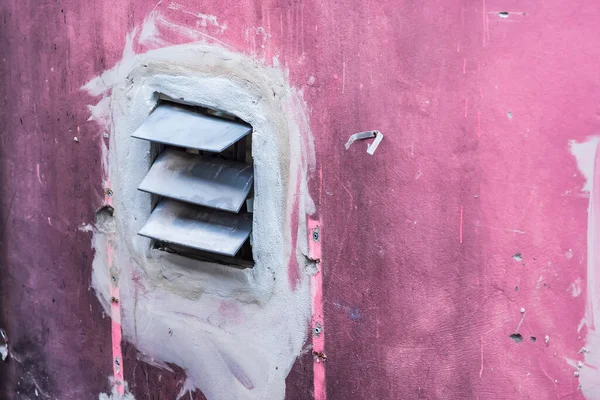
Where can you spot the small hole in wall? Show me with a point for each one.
(317, 329)
(104, 212)
(533, 339)
(104, 219)
(503, 14)
(516, 337)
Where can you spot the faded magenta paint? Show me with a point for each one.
(477, 102)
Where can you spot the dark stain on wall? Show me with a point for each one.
(150, 382)
(50, 185)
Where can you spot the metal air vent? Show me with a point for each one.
(201, 181)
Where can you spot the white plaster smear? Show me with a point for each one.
(116, 396)
(575, 287)
(204, 20)
(584, 153)
(589, 375)
(236, 333)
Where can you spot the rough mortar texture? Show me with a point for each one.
(235, 332)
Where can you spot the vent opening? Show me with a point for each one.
(201, 180)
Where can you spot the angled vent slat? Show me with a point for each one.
(202, 180)
(178, 126)
(198, 228)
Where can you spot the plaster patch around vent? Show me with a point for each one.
(236, 332)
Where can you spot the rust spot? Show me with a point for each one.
(319, 356)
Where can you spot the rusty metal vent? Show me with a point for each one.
(202, 183)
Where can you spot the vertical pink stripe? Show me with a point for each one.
(317, 321)
(484, 30)
(460, 228)
(115, 308)
(293, 266)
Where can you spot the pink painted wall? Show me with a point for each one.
(421, 290)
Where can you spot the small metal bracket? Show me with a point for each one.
(366, 135)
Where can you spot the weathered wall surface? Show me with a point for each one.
(472, 209)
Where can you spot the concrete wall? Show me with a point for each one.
(469, 223)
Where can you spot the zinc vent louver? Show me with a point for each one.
(201, 196)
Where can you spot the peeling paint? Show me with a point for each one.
(588, 162)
